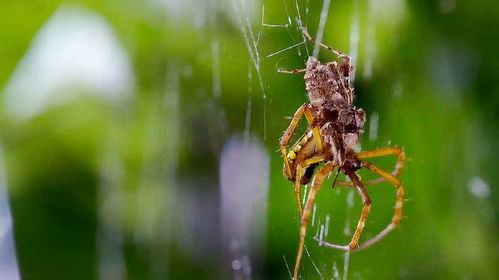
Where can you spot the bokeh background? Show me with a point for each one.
(139, 139)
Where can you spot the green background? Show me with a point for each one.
(433, 85)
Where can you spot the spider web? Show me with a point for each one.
(251, 42)
(294, 25)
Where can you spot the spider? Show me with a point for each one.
(334, 128)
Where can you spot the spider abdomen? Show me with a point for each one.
(327, 84)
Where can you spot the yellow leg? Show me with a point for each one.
(385, 176)
(365, 211)
(362, 219)
(379, 153)
(284, 141)
(316, 184)
(298, 196)
(303, 110)
(300, 171)
(294, 123)
(397, 215)
(315, 129)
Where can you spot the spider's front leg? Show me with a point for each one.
(291, 155)
(337, 53)
(303, 110)
(316, 184)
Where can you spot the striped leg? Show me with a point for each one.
(379, 153)
(397, 215)
(303, 110)
(300, 171)
(362, 220)
(316, 184)
(365, 210)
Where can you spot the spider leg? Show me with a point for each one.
(362, 219)
(288, 133)
(337, 53)
(397, 215)
(365, 211)
(316, 184)
(379, 153)
(300, 171)
(386, 152)
(296, 71)
(303, 110)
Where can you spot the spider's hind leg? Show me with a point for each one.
(397, 215)
(316, 184)
(366, 200)
(399, 167)
(385, 176)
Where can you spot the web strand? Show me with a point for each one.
(252, 46)
(300, 26)
(354, 38)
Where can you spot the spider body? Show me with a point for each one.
(335, 127)
(340, 123)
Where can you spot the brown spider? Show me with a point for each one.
(335, 126)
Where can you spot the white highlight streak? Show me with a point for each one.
(370, 40)
(215, 66)
(336, 272)
(249, 104)
(326, 230)
(322, 24)
(321, 234)
(350, 196)
(346, 265)
(354, 37)
(305, 189)
(313, 214)
(373, 126)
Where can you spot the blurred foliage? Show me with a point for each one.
(433, 85)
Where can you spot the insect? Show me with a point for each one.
(334, 128)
